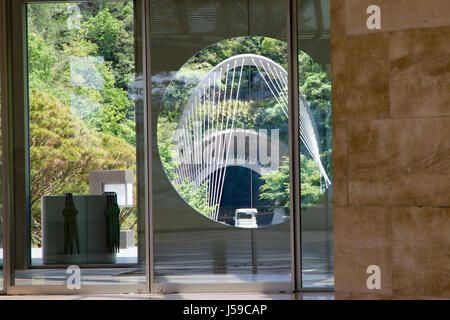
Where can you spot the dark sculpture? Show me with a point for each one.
(70, 226)
(112, 213)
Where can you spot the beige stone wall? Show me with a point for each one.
(391, 148)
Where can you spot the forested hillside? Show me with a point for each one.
(83, 120)
(80, 120)
(262, 112)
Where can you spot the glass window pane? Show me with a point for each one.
(85, 131)
(315, 144)
(220, 167)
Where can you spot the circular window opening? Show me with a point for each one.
(222, 132)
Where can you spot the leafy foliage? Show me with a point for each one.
(107, 32)
(63, 151)
(315, 85)
(196, 197)
(262, 113)
(276, 185)
(97, 131)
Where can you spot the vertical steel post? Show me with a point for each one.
(294, 147)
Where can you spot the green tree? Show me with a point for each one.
(104, 30)
(276, 185)
(41, 59)
(112, 31)
(195, 197)
(97, 131)
(63, 151)
(309, 182)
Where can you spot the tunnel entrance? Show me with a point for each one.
(242, 190)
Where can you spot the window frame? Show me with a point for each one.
(15, 160)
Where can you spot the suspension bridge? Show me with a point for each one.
(206, 134)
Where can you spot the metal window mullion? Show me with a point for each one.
(5, 147)
(148, 140)
(18, 244)
(294, 147)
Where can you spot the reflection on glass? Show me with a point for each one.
(220, 201)
(315, 144)
(82, 138)
(222, 132)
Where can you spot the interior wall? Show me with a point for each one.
(391, 148)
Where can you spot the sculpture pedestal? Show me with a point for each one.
(92, 230)
(126, 239)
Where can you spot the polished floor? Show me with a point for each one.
(317, 270)
(181, 296)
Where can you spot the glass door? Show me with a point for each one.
(315, 147)
(220, 157)
(169, 145)
(79, 197)
(2, 99)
